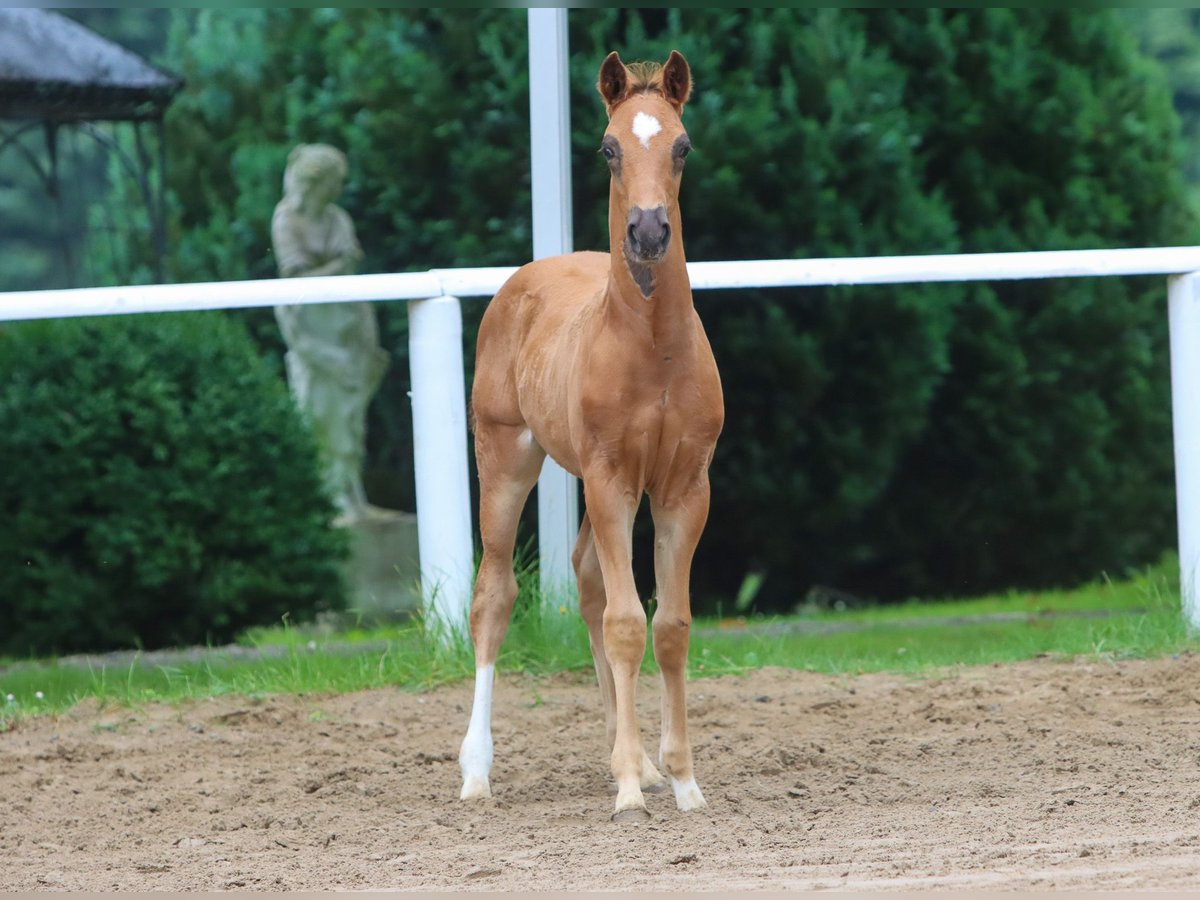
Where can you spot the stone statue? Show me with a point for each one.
(334, 361)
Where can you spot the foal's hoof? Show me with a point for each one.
(635, 816)
(687, 795)
(654, 788)
(651, 779)
(475, 787)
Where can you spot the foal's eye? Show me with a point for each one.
(607, 152)
(679, 151)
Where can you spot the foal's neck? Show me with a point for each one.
(659, 295)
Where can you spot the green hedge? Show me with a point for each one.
(158, 485)
(888, 440)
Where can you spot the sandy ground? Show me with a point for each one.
(1038, 775)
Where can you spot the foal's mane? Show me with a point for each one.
(645, 77)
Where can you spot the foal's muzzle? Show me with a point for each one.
(648, 233)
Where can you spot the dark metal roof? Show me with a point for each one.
(54, 69)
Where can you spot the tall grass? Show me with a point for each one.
(1138, 616)
(1141, 617)
(545, 635)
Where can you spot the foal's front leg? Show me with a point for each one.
(591, 605)
(611, 509)
(677, 527)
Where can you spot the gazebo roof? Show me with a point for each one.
(53, 69)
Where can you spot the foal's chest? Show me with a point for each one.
(654, 425)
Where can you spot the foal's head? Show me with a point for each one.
(645, 146)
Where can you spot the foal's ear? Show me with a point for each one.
(613, 83)
(677, 80)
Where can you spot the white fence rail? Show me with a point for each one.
(439, 407)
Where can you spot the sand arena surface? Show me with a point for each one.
(1042, 774)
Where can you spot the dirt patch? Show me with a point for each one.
(1042, 774)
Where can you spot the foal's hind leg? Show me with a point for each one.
(509, 461)
(591, 605)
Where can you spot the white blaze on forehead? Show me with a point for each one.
(645, 127)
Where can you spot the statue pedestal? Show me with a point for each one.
(383, 576)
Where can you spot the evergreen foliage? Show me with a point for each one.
(158, 487)
(1048, 455)
(1171, 36)
(942, 439)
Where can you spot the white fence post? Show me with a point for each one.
(1183, 299)
(440, 458)
(550, 157)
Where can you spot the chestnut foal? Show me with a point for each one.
(600, 360)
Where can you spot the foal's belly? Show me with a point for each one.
(559, 298)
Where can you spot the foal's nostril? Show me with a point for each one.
(648, 232)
